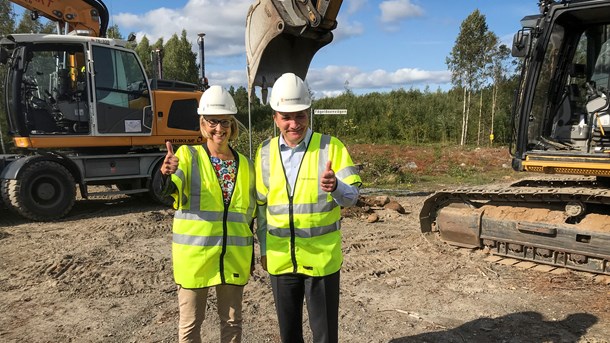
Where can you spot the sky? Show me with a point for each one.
(378, 46)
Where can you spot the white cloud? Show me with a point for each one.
(235, 78)
(393, 11)
(336, 78)
(346, 29)
(333, 80)
(354, 6)
(126, 19)
(377, 78)
(329, 94)
(223, 24)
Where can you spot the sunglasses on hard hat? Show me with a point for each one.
(226, 123)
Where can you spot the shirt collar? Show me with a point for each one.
(303, 143)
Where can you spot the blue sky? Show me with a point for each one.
(378, 46)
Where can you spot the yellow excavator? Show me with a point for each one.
(82, 111)
(561, 126)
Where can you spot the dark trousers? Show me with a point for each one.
(322, 298)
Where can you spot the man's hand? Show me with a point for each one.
(170, 164)
(328, 180)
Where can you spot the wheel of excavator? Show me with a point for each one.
(44, 191)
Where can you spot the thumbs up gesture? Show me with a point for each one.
(328, 180)
(170, 163)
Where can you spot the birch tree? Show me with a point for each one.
(467, 60)
(499, 70)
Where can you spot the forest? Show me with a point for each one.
(475, 111)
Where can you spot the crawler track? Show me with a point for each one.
(559, 223)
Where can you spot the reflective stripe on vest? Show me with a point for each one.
(211, 216)
(211, 241)
(304, 233)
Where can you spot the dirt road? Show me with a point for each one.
(104, 275)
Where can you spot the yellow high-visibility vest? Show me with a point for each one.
(303, 231)
(212, 243)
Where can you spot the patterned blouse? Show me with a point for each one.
(225, 171)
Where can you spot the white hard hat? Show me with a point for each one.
(216, 101)
(290, 94)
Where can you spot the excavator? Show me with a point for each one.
(82, 111)
(561, 127)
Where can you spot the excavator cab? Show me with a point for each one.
(45, 97)
(283, 36)
(562, 108)
(56, 90)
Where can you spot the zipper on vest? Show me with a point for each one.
(293, 255)
(225, 215)
(224, 243)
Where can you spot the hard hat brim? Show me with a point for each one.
(216, 113)
(290, 108)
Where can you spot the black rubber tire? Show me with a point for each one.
(5, 185)
(154, 188)
(44, 191)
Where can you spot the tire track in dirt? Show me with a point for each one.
(120, 253)
(120, 276)
(104, 274)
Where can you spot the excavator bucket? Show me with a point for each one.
(284, 35)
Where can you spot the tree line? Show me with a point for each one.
(475, 111)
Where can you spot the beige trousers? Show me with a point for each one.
(192, 303)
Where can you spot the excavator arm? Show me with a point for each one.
(284, 35)
(73, 15)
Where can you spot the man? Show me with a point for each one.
(299, 197)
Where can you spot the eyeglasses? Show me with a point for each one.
(226, 123)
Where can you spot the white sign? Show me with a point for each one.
(329, 112)
(133, 126)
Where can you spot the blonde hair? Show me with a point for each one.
(234, 128)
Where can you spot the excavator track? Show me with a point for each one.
(558, 223)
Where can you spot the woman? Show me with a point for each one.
(214, 196)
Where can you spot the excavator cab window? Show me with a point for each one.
(54, 100)
(601, 69)
(574, 70)
(121, 92)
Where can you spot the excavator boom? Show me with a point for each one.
(73, 15)
(283, 36)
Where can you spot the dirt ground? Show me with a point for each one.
(103, 274)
